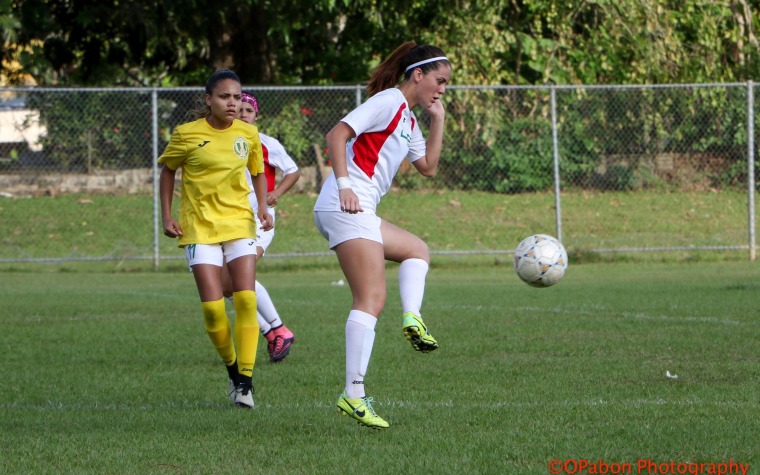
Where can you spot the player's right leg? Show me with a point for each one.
(357, 242)
(363, 264)
(205, 261)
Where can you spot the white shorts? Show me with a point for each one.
(263, 238)
(216, 254)
(338, 227)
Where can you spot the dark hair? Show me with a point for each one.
(393, 69)
(201, 110)
(220, 75)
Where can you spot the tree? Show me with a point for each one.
(168, 42)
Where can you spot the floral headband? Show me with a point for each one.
(251, 100)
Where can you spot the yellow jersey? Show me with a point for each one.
(214, 204)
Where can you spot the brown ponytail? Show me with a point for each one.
(393, 69)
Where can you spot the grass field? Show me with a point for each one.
(113, 373)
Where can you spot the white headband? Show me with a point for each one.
(425, 61)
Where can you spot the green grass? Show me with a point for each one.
(113, 373)
(121, 227)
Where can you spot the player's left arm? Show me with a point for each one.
(280, 159)
(285, 184)
(260, 188)
(428, 164)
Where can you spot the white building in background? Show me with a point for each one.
(20, 128)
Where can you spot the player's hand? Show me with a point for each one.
(171, 228)
(349, 202)
(436, 109)
(272, 198)
(266, 220)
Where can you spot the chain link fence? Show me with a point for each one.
(95, 149)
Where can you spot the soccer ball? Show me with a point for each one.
(540, 260)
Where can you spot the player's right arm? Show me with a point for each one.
(166, 192)
(172, 158)
(336, 139)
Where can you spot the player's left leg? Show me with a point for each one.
(413, 255)
(279, 337)
(242, 268)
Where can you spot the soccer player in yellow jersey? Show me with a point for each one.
(216, 222)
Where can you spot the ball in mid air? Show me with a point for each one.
(540, 260)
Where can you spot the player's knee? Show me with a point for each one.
(371, 302)
(214, 315)
(244, 300)
(420, 250)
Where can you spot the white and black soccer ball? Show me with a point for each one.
(540, 260)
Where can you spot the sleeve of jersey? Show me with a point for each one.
(373, 115)
(418, 145)
(280, 159)
(256, 154)
(175, 153)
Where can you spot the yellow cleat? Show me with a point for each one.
(416, 332)
(360, 408)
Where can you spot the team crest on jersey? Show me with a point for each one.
(240, 146)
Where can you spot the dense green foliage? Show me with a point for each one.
(167, 42)
(496, 140)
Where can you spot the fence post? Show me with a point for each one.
(751, 167)
(154, 133)
(555, 148)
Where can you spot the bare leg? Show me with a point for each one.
(414, 257)
(363, 264)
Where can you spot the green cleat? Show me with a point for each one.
(416, 332)
(360, 408)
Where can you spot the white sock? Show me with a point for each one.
(411, 281)
(360, 336)
(265, 309)
(264, 325)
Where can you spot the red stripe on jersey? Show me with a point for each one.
(268, 169)
(413, 122)
(367, 146)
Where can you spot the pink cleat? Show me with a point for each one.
(281, 342)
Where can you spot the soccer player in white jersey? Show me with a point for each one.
(366, 149)
(279, 337)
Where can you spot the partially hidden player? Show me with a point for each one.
(279, 337)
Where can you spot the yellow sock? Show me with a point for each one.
(218, 329)
(246, 330)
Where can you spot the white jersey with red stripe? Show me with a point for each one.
(275, 158)
(386, 132)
